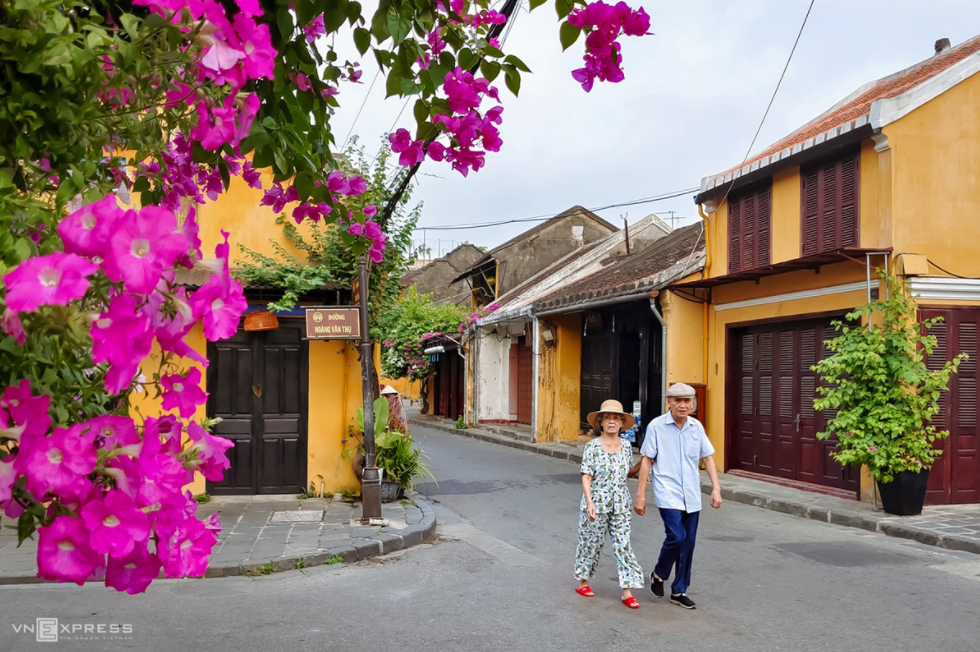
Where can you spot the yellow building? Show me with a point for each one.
(885, 178)
(286, 402)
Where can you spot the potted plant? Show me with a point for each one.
(885, 396)
(395, 453)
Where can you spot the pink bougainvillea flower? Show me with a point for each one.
(256, 43)
(436, 151)
(221, 306)
(111, 430)
(11, 325)
(184, 551)
(160, 474)
(57, 462)
(122, 337)
(64, 553)
(251, 176)
(370, 211)
(26, 414)
(212, 459)
(145, 244)
(400, 140)
(358, 186)
(337, 183)
(55, 279)
(248, 109)
(115, 524)
(302, 81)
(8, 477)
(355, 228)
(134, 572)
(215, 126)
(315, 29)
(250, 8)
(86, 232)
(183, 393)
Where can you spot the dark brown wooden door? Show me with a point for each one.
(258, 386)
(773, 428)
(525, 381)
(955, 477)
(597, 372)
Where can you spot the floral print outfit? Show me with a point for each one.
(613, 506)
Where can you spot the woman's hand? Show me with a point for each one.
(590, 510)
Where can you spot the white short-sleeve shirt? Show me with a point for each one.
(677, 452)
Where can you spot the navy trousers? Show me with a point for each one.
(681, 529)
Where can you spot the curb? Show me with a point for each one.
(870, 522)
(385, 543)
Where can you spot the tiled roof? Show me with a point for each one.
(677, 255)
(853, 111)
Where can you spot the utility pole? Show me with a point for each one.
(626, 228)
(371, 476)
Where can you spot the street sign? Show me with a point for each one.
(333, 323)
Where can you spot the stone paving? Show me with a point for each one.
(262, 534)
(955, 527)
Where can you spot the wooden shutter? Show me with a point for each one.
(748, 230)
(830, 206)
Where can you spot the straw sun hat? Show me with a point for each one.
(611, 407)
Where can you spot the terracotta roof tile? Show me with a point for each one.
(853, 108)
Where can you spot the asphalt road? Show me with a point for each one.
(499, 577)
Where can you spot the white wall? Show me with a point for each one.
(493, 381)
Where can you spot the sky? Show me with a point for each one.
(694, 95)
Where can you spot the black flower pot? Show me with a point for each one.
(391, 491)
(904, 495)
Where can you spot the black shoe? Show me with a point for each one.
(656, 585)
(682, 600)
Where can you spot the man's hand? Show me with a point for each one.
(590, 510)
(640, 506)
(716, 498)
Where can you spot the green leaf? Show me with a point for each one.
(393, 85)
(25, 527)
(22, 249)
(304, 186)
(517, 63)
(513, 81)
(421, 111)
(568, 34)
(362, 39)
(537, 3)
(398, 27)
(563, 7)
(285, 21)
(492, 51)
(467, 59)
(410, 87)
(490, 69)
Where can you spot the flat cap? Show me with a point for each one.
(681, 390)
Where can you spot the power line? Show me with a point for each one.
(548, 216)
(771, 99)
(366, 96)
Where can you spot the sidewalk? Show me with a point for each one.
(955, 527)
(266, 534)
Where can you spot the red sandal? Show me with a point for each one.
(631, 602)
(585, 590)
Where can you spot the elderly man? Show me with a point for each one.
(674, 445)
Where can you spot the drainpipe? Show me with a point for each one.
(476, 378)
(704, 307)
(534, 381)
(663, 355)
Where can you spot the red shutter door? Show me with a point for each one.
(955, 477)
(830, 206)
(734, 236)
(775, 423)
(763, 217)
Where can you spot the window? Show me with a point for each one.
(830, 205)
(748, 230)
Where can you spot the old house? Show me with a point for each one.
(584, 326)
(886, 178)
(437, 277)
(505, 267)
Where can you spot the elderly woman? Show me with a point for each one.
(607, 503)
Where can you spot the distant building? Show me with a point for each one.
(436, 278)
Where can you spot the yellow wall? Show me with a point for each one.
(685, 338)
(334, 367)
(335, 394)
(935, 186)
(559, 379)
(409, 390)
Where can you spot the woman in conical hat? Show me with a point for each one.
(607, 504)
